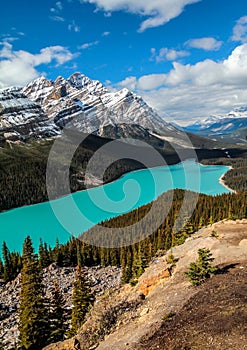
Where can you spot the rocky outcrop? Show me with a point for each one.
(156, 276)
(22, 119)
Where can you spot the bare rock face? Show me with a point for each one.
(22, 119)
(157, 275)
(89, 107)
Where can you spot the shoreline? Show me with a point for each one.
(222, 182)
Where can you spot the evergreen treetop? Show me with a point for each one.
(82, 300)
(202, 269)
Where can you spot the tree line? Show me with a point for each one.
(235, 178)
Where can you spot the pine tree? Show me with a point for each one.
(33, 311)
(202, 269)
(82, 299)
(1, 270)
(140, 262)
(126, 264)
(16, 262)
(79, 255)
(44, 258)
(57, 316)
(8, 267)
(58, 254)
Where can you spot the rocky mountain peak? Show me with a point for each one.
(80, 81)
(40, 83)
(241, 109)
(87, 105)
(59, 81)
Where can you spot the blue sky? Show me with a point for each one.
(187, 58)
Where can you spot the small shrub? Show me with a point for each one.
(171, 259)
(133, 283)
(202, 269)
(168, 316)
(214, 234)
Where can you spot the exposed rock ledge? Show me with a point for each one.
(164, 292)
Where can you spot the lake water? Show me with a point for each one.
(77, 212)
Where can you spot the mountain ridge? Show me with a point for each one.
(91, 105)
(86, 105)
(230, 127)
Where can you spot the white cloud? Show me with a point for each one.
(189, 91)
(240, 30)
(129, 83)
(59, 5)
(158, 12)
(19, 67)
(151, 81)
(57, 8)
(165, 54)
(8, 38)
(186, 103)
(207, 44)
(73, 27)
(106, 33)
(57, 18)
(88, 45)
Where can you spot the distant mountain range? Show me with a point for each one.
(230, 128)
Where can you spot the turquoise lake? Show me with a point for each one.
(78, 212)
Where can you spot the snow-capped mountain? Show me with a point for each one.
(230, 127)
(85, 104)
(21, 118)
(89, 106)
